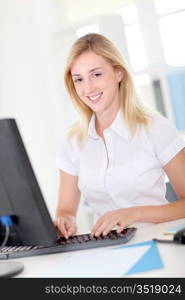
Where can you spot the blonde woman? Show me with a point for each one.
(118, 153)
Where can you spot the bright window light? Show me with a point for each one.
(171, 28)
(136, 48)
(144, 88)
(87, 29)
(143, 79)
(129, 14)
(168, 6)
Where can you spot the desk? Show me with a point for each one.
(173, 255)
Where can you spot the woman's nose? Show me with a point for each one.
(88, 87)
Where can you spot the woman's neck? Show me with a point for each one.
(104, 120)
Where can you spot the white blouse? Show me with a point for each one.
(126, 170)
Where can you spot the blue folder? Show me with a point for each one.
(151, 260)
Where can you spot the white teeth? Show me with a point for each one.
(95, 97)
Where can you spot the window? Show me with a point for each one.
(168, 6)
(171, 27)
(134, 37)
(144, 88)
(171, 23)
(136, 48)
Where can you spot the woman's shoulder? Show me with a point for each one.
(68, 154)
(163, 131)
(165, 138)
(70, 141)
(158, 124)
(67, 141)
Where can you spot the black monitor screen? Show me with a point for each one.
(20, 195)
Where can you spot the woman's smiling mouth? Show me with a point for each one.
(95, 98)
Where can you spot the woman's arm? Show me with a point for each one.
(67, 206)
(175, 170)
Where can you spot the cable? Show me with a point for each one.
(6, 222)
(7, 233)
(8, 269)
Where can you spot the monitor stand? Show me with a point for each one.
(10, 268)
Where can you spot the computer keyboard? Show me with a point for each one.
(76, 242)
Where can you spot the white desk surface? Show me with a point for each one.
(173, 255)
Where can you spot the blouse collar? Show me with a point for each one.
(118, 125)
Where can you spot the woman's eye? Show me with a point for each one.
(76, 80)
(97, 74)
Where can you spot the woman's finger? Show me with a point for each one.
(70, 228)
(61, 226)
(96, 226)
(109, 227)
(100, 229)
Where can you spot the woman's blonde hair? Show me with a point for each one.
(133, 112)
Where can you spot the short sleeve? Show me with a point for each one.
(67, 158)
(166, 139)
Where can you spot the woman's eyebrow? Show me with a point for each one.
(94, 69)
(90, 71)
(75, 75)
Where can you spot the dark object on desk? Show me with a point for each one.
(10, 268)
(178, 237)
(77, 242)
(22, 199)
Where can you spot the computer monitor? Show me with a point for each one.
(20, 195)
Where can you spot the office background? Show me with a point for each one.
(35, 37)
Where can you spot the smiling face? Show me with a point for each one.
(96, 82)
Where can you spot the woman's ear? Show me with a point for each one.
(119, 74)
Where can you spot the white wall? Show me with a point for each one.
(32, 59)
(28, 90)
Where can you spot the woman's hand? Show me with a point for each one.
(120, 217)
(66, 224)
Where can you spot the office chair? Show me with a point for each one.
(171, 195)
